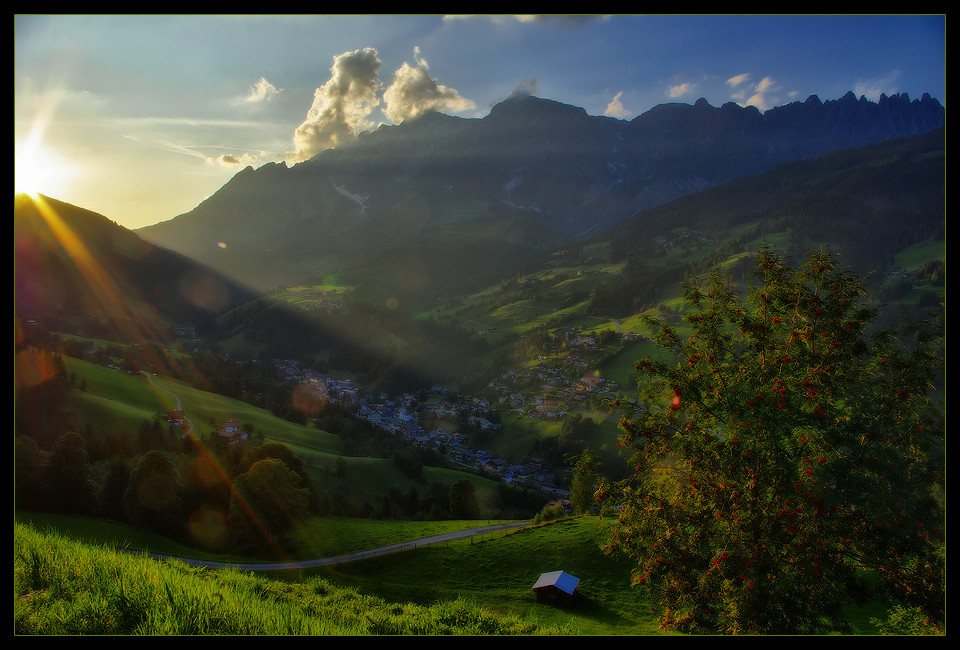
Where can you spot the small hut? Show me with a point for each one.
(556, 587)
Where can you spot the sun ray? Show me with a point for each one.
(37, 169)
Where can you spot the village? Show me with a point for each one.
(558, 382)
(549, 391)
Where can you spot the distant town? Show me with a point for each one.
(548, 391)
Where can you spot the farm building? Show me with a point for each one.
(556, 587)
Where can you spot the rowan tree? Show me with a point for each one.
(783, 450)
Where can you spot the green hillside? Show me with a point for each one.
(114, 401)
(68, 582)
(64, 587)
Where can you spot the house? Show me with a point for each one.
(494, 464)
(232, 432)
(556, 587)
(562, 334)
(176, 418)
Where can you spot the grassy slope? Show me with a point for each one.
(115, 401)
(65, 587)
(492, 575)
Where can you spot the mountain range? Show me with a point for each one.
(464, 197)
(462, 259)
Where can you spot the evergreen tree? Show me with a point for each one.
(586, 470)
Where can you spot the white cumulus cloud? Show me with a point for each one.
(679, 90)
(615, 107)
(413, 92)
(342, 106)
(873, 88)
(261, 91)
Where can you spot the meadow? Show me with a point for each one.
(70, 578)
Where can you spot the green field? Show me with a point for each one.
(492, 574)
(114, 401)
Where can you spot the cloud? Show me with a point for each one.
(414, 92)
(679, 90)
(526, 87)
(244, 160)
(873, 88)
(261, 91)
(753, 94)
(342, 105)
(738, 80)
(571, 21)
(615, 108)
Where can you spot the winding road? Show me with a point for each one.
(188, 424)
(349, 557)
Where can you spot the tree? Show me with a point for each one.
(28, 474)
(586, 470)
(575, 431)
(69, 481)
(154, 496)
(280, 452)
(114, 488)
(463, 500)
(267, 500)
(783, 450)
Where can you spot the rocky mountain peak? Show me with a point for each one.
(549, 168)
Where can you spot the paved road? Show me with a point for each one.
(350, 557)
(187, 426)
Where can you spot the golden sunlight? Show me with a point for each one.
(37, 170)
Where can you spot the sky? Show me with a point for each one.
(142, 117)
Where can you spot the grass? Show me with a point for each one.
(317, 537)
(913, 257)
(107, 389)
(498, 574)
(69, 578)
(64, 587)
(114, 401)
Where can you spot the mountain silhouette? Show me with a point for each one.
(531, 175)
(76, 270)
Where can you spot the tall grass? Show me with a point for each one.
(64, 587)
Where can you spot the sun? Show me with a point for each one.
(38, 170)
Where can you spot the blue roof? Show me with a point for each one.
(559, 579)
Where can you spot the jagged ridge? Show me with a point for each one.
(533, 173)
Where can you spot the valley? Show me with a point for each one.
(439, 341)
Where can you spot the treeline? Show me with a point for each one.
(205, 493)
(423, 500)
(208, 493)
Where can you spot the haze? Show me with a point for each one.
(141, 117)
